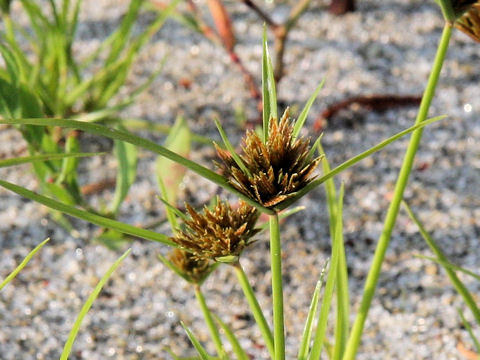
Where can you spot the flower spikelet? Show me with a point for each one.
(460, 6)
(469, 23)
(221, 232)
(277, 169)
(191, 268)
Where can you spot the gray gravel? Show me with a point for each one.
(384, 47)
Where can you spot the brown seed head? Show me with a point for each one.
(461, 6)
(278, 168)
(469, 23)
(191, 268)
(217, 233)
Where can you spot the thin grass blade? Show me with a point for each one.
(236, 347)
(88, 304)
(87, 216)
(174, 209)
(457, 283)
(320, 333)
(196, 344)
(303, 115)
(269, 96)
(342, 325)
(212, 326)
(43, 157)
(449, 265)
(24, 262)
(353, 161)
(312, 312)
(469, 329)
(231, 149)
(144, 143)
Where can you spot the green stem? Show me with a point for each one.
(210, 323)
(255, 308)
(372, 279)
(277, 288)
(447, 10)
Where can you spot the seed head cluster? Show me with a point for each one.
(460, 6)
(221, 232)
(276, 169)
(191, 268)
(469, 23)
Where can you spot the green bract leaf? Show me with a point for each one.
(90, 217)
(303, 115)
(269, 95)
(309, 187)
(229, 147)
(144, 143)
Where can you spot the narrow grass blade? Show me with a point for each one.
(320, 333)
(88, 304)
(315, 146)
(236, 347)
(308, 329)
(231, 149)
(144, 143)
(127, 158)
(87, 216)
(141, 142)
(269, 96)
(449, 265)
(469, 329)
(174, 209)
(172, 354)
(196, 344)
(343, 299)
(212, 327)
(11, 63)
(303, 115)
(354, 160)
(457, 283)
(24, 262)
(68, 171)
(42, 157)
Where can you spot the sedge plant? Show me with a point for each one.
(275, 168)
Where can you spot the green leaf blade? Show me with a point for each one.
(24, 262)
(303, 115)
(90, 217)
(88, 304)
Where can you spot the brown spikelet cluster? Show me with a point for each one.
(221, 232)
(191, 268)
(276, 169)
(469, 22)
(460, 6)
